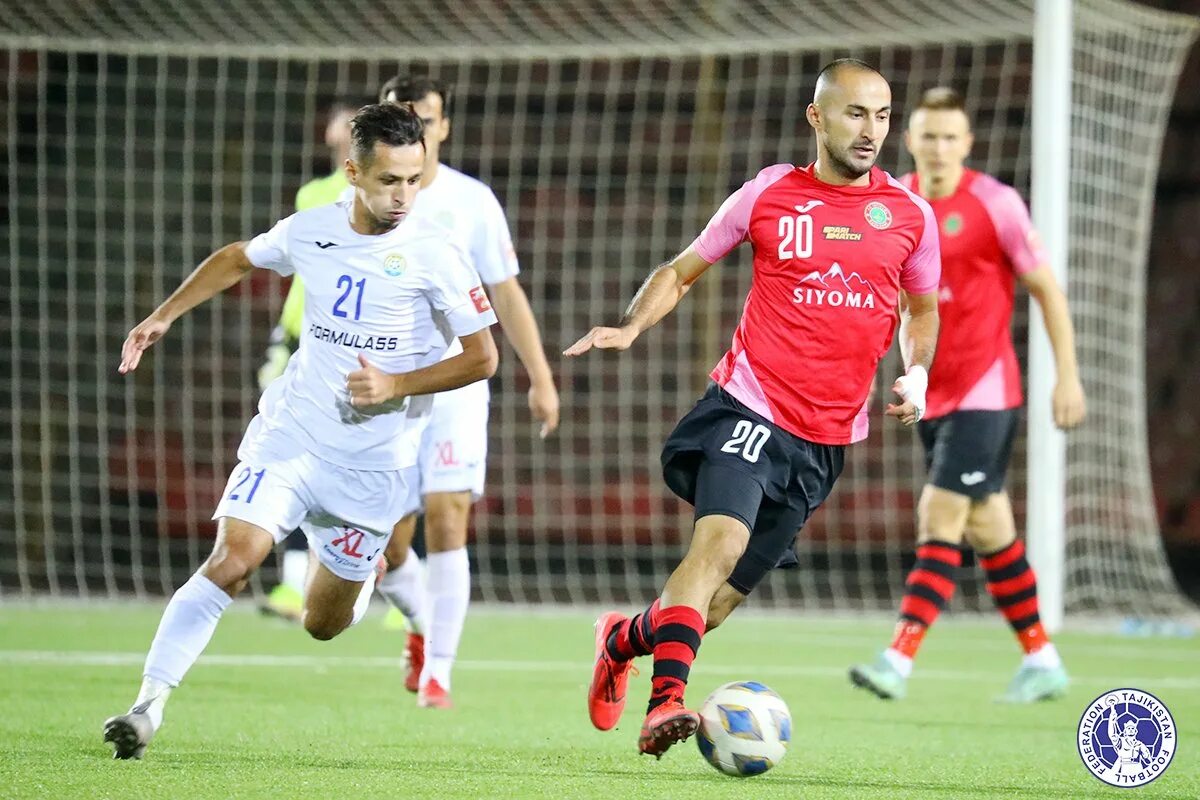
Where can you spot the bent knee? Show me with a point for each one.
(723, 603)
(324, 628)
(229, 570)
(942, 515)
(715, 617)
(723, 555)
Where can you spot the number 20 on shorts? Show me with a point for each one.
(747, 440)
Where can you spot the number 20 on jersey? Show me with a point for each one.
(795, 236)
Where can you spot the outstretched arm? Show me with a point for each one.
(661, 292)
(1068, 402)
(516, 318)
(215, 274)
(918, 341)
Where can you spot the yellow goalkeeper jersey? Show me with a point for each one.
(317, 192)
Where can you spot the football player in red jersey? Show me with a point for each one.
(841, 250)
(988, 243)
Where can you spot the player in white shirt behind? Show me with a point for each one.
(454, 446)
(334, 446)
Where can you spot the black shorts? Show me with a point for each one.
(725, 459)
(967, 452)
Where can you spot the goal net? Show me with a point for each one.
(139, 136)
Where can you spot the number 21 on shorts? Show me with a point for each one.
(747, 440)
(236, 492)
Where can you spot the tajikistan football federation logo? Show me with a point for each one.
(394, 265)
(1126, 737)
(878, 215)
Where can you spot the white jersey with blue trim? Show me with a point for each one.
(398, 298)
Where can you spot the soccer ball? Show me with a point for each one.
(745, 729)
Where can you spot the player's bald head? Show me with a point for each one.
(851, 114)
(845, 74)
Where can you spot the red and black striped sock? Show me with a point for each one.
(633, 637)
(1012, 584)
(926, 592)
(677, 634)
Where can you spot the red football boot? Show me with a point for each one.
(432, 695)
(606, 693)
(414, 654)
(666, 725)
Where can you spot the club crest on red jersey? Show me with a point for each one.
(878, 215)
(953, 224)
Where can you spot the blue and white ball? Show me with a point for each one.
(745, 729)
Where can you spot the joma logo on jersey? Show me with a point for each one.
(834, 288)
(841, 233)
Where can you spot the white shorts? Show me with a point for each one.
(453, 455)
(346, 514)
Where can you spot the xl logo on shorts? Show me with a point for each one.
(350, 542)
(445, 454)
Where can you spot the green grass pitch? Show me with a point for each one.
(269, 713)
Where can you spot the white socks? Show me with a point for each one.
(900, 662)
(363, 602)
(1046, 657)
(404, 588)
(154, 694)
(295, 569)
(186, 627)
(447, 594)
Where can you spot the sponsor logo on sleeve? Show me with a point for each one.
(480, 299)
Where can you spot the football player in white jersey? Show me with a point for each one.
(454, 446)
(333, 449)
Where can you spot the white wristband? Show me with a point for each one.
(912, 387)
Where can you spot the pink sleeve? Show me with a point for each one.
(922, 270)
(1014, 229)
(728, 227)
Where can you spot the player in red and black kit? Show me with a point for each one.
(988, 243)
(841, 250)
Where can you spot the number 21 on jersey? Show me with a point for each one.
(347, 285)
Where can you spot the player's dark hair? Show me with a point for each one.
(830, 70)
(391, 124)
(414, 88)
(941, 98)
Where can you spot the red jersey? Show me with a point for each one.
(829, 263)
(987, 240)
